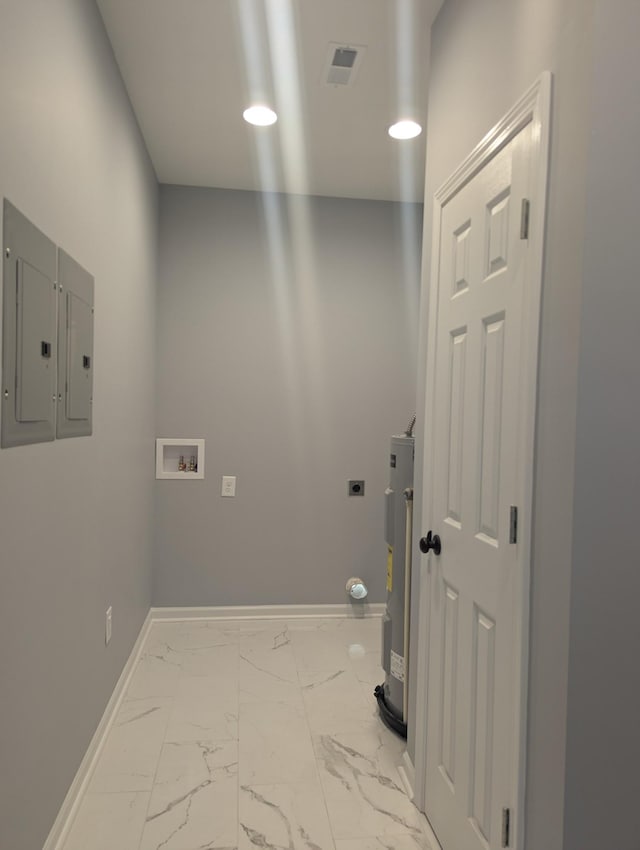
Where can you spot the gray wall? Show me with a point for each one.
(483, 57)
(603, 740)
(75, 515)
(286, 338)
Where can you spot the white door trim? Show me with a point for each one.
(534, 108)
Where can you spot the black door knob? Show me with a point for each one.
(431, 542)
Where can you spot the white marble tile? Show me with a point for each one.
(106, 821)
(367, 631)
(333, 701)
(366, 664)
(275, 745)
(268, 682)
(264, 634)
(161, 644)
(205, 708)
(311, 624)
(218, 659)
(147, 685)
(156, 674)
(364, 648)
(284, 816)
(194, 803)
(369, 675)
(393, 842)
(369, 697)
(194, 634)
(362, 788)
(198, 648)
(130, 755)
(326, 625)
(319, 649)
(208, 634)
(358, 651)
(268, 674)
(268, 624)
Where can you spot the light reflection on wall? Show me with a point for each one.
(409, 90)
(270, 44)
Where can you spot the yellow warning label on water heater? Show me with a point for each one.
(389, 569)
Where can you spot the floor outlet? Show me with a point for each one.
(107, 625)
(228, 486)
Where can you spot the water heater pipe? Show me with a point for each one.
(409, 429)
(356, 588)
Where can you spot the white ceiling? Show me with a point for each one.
(192, 66)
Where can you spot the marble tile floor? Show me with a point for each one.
(248, 734)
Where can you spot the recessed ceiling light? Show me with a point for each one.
(261, 116)
(405, 130)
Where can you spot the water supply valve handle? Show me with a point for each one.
(430, 542)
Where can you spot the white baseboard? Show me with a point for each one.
(270, 612)
(66, 816)
(428, 831)
(408, 774)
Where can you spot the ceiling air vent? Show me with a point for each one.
(343, 61)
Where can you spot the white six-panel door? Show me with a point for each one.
(476, 435)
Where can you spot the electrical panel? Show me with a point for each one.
(75, 348)
(47, 338)
(29, 332)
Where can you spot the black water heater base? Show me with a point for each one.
(394, 723)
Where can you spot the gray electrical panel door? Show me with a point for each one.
(80, 336)
(75, 344)
(35, 345)
(29, 373)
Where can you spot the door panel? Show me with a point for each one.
(490, 424)
(482, 720)
(497, 224)
(449, 685)
(456, 424)
(461, 258)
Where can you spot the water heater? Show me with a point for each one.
(392, 695)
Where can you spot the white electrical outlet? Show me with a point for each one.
(107, 625)
(228, 485)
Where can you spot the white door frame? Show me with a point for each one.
(534, 108)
